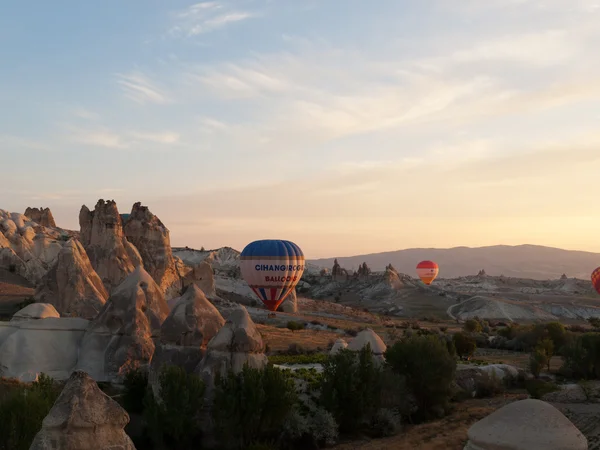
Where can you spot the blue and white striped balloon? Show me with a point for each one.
(272, 268)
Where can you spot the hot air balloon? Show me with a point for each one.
(272, 268)
(596, 279)
(427, 271)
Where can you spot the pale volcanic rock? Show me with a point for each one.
(237, 342)
(338, 345)
(111, 254)
(290, 304)
(121, 336)
(193, 321)
(368, 336)
(43, 216)
(525, 425)
(84, 418)
(35, 311)
(72, 285)
(201, 274)
(151, 237)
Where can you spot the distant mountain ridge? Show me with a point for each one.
(524, 261)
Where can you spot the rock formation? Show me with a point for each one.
(200, 274)
(481, 274)
(27, 248)
(35, 311)
(563, 276)
(83, 418)
(191, 324)
(111, 255)
(338, 345)
(368, 336)
(72, 285)
(337, 273)
(290, 304)
(42, 216)
(237, 342)
(144, 230)
(363, 271)
(193, 320)
(36, 340)
(121, 336)
(525, 425)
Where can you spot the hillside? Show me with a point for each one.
(524, 261)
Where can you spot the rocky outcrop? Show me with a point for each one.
(290, 304)
(42, 216)
(27, 248)
(149, 235)
(121, 336)
(238, 342)
(112, 256)
(72, 285)
(338, 345)
(363, 271)
(83, 418)
(193, 320)
(368, 336)
(337, 273)
(35, 311)
(201, 274)
(40, 342)
(525, 425)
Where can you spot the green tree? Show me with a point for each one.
(428, 369)
(464, 344)
(351, 387)
(537, 360)
(546, 346)
(472, 326)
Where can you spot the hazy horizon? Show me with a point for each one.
(345, 127)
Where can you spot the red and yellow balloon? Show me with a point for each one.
(596, 279)
(427, 271)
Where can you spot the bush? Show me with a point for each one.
(315, 358)
(465, 345)
(546, 346)
(252, 405)
(488, 385)
(310, 429)
(472, 326)
(539, 388)
(443, 329)
(173, 421)
(582, 357)
(385, 423)
(23, 410)
(594, 322)
(351, 388)
(294, 326)
(428, 370)
(537, 360)
(12, 268)
(136, 385)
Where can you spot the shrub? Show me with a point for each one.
(315, 358)
(465, 345)
(351, 388)
(472, 326)
(594, 322)
(23, 410)
(443, 329)
(488, 385)
(351, 332)
(136, 385)
(310, 429)
(582, 357)
(12, 268)
(546, 346)
(385, 423)
(537, 360)
(173, 421)
(428, 369)
(294, 326)
(539, 388)
(252, 405)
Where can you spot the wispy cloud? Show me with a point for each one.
(100, 136)
(205, 17)
(141, 89)
(10, 143)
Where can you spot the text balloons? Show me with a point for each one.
(272, 268)
(596, 279)
(427, 271)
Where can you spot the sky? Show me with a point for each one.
(346, 126)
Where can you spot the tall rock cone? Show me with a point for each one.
(72, 285)
(83, 418)
(121, 336)
(42, 216)
(144, 230)
(111, 255)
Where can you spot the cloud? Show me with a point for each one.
(140, 89)
(205, 17)
(101, 136)
(98, 138)
(10, 143)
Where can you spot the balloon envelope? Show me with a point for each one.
(596, 279)
(427, 271)
(272, 268)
